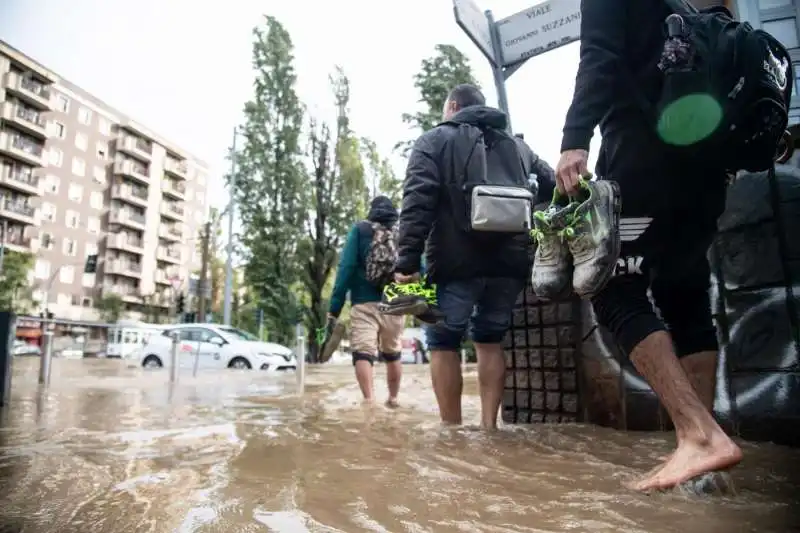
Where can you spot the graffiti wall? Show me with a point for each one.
(563, 367)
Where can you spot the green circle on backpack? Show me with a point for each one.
(689, 119)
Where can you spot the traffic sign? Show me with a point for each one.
(476, 25)
(539, 29)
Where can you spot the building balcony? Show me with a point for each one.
(132, 169)
(174, 189)
(176, 168)
(17, 210)
(168, 255)
(17, 240)
(128, 293)
(31, 91)
(20, 179)
(132, 195)
(173, 211)
(122, 267)
(129, 243)
(170, 233)
(128, 219)
(135, 147)
(21, 148)
(25, 118)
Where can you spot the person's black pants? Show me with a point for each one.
(669, 215)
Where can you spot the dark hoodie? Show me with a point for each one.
(351, 275)
(427, 219)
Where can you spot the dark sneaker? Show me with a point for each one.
(593, 237)
(552, 265)
(404, 299)
(329, 338)
(432, 315)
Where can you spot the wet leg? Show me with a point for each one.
(702, 445)
(364, 377)
(394, 373)
(491, 380)
(447, 384)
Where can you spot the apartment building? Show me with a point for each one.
(78, 177)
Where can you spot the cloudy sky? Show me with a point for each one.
(182, 67)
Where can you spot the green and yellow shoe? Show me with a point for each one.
(418, 299)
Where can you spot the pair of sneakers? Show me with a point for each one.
(578, 241)
(417, 299)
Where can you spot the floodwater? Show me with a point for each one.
(110, 449)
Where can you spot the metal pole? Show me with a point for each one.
(301, 359)
(3, 244)
(497, 70)
(196, 360)
(201, 289)
(463, 360)
(174, 369)
(226, 307)
(47, 357)
(261, 325)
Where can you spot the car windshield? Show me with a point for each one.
(239, 334)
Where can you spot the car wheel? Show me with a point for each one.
(240, 363)
(152, 361)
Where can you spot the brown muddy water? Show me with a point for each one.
(110, 449)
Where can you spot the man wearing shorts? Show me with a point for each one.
(669, 212)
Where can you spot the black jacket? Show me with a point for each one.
(427, 212)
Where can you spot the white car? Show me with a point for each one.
(215, 346)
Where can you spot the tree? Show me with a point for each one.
(379, 174)
(337, 200)
(111, 307)
(438, 74)
(269, 182)
(16, 294)
(216, 262)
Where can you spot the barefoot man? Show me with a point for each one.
(669, 210)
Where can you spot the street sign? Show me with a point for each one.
(539, 29)
(176, 282)
(475, 24)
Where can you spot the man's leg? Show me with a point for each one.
(623, 307)
(364, 345)
(490, 322)
(456, 302)
(390, 346)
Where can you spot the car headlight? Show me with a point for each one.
(285, 357)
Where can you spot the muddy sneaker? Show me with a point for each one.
(404, 299)
(552, 265)
(593, 237)
(329, 338)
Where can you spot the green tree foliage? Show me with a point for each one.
(438, 74)
(379, 174)
(111, 307)
(270, 183)
(216, 261)
(337, 200)
(16, 293)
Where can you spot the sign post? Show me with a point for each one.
(510, 42)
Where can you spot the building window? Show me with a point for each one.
(198, 195)
(75, 192)
(85, 116)
(48, 212)
(42, 268)
(64, 300)
(102, 151)
(93, 225)
(201, 179)
(91, 248)
(51, 184)
(88, 280)
(62, 103)
(78, 166)
(55, 157)
(57, 130)
(785, 30)
(73, 219)
(103, 125)
(47, 241)
(99, 175)
(70, 247)
(81, 141)
(96, 200)
(66, 274)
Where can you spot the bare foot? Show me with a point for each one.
(690, 460)
(392, 403)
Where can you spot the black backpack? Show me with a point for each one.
(490, 192)
(741, 78)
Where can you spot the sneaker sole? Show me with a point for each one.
(616, 243)
(332, 343)
(413, 308)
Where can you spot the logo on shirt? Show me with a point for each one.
(776, 69)
(628, 265)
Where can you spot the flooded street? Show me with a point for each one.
(109, 449)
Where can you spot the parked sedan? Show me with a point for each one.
(215, 346)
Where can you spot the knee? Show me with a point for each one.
(686, 311)
(390, 357)
(444, 338)
(363, 356)
(624, 309)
